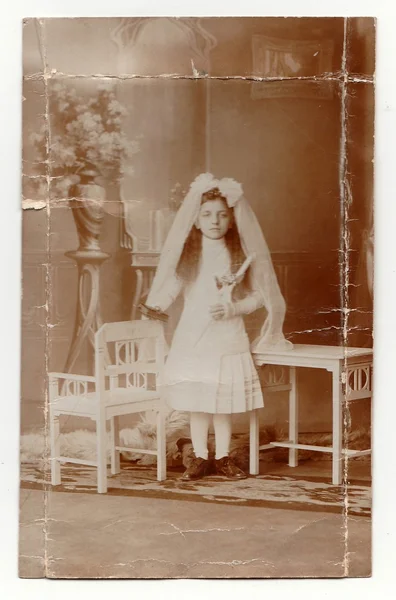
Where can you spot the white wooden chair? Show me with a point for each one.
(125, 385)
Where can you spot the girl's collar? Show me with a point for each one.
(209, 245)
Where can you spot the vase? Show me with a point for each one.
(87, 200)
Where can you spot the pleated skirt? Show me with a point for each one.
(234, 387)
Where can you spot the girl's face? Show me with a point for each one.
(214, 219)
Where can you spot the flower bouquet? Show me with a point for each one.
(83, 146)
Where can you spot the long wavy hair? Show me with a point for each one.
(190, 259)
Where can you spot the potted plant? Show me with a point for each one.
(84, 146)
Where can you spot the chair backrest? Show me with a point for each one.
(129, 354)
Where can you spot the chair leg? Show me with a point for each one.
(115, 441)
(254, 443)
(55, 450)
(161, 446)
(101, 445)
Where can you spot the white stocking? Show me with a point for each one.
(199, 428)
(222, 427)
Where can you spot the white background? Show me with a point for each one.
(384, 521)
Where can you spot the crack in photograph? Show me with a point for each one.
(197, 311)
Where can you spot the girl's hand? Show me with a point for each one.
(222, 311)
(217, 311)
(227, 280)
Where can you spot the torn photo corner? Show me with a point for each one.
(197, 310)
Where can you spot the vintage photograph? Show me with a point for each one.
(197, 311)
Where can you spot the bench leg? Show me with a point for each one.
(115, 441)
(337, 427)
(293, 417)
(55, 450)
(254, 452)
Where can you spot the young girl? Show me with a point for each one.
(216, 255)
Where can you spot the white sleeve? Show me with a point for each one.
(247, 305)
(169, 293)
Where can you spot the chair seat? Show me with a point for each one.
(88, 404)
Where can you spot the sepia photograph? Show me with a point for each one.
(197, 306)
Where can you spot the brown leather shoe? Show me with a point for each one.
(198, 468)
(226, 467)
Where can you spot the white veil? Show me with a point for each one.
(263, 276)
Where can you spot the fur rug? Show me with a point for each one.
(82, 443)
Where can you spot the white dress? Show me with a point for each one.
(209, 367)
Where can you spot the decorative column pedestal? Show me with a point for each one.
(144, 265)
(88, 318)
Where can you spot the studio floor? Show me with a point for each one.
(119, 535)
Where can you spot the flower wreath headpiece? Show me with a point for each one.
(230, 189)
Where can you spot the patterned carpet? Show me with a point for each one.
(269, 491)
